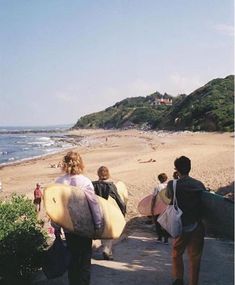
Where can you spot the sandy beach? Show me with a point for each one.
(133, 156)
(137, 157)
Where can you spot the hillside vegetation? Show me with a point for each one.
(209, 108)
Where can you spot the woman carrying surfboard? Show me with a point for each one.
(80, 246)
(105, 188)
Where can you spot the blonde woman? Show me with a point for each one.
(80, 247)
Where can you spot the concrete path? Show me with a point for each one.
(139, 260)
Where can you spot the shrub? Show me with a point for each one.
(21, 240)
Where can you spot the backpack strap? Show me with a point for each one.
(174, 193)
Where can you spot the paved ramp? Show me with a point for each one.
(139, 260)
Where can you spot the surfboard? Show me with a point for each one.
(144, 206)
(122, 191)
(218, 213)
(67, 206)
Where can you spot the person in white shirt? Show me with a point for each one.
(162, 234)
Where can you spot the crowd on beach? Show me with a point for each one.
(187, 190)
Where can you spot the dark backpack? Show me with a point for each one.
(106, 189)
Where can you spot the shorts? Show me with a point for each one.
(37, 201)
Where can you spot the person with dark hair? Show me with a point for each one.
(162, 233)
(175, 175)
(80, 247)
(105, 188)
(188, 194)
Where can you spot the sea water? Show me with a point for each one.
(21, 143)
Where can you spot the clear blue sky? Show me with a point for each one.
(61, 59)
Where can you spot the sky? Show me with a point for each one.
(60, 59)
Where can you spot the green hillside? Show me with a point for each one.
(130, 112)
(209, 108)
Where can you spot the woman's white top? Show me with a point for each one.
(86, 185)
(159, 188)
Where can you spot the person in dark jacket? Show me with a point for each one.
(105, 188)
(188, 194)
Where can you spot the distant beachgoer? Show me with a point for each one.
(162, 233)
(52, 165)
(188, 193)
(80, 246)
(147, 161)
(105, 188)
(37, 197)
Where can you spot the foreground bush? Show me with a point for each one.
(21, 240)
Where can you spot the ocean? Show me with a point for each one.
(23, 143)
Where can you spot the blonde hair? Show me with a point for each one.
(103, 173)
(72, 163)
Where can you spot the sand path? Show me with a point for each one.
(139, 260)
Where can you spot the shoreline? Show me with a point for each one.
(75, 142)
(135, 157)
(72, 137)
(33, 158)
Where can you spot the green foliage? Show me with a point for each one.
(209, 108)
(150, 115)
(131, 111)
(21, 240)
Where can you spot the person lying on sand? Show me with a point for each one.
(146, 161)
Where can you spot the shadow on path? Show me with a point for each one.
(139, 260)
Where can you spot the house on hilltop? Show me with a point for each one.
(162, 100)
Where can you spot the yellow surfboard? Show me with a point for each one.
(67, 206)
(122, 191)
